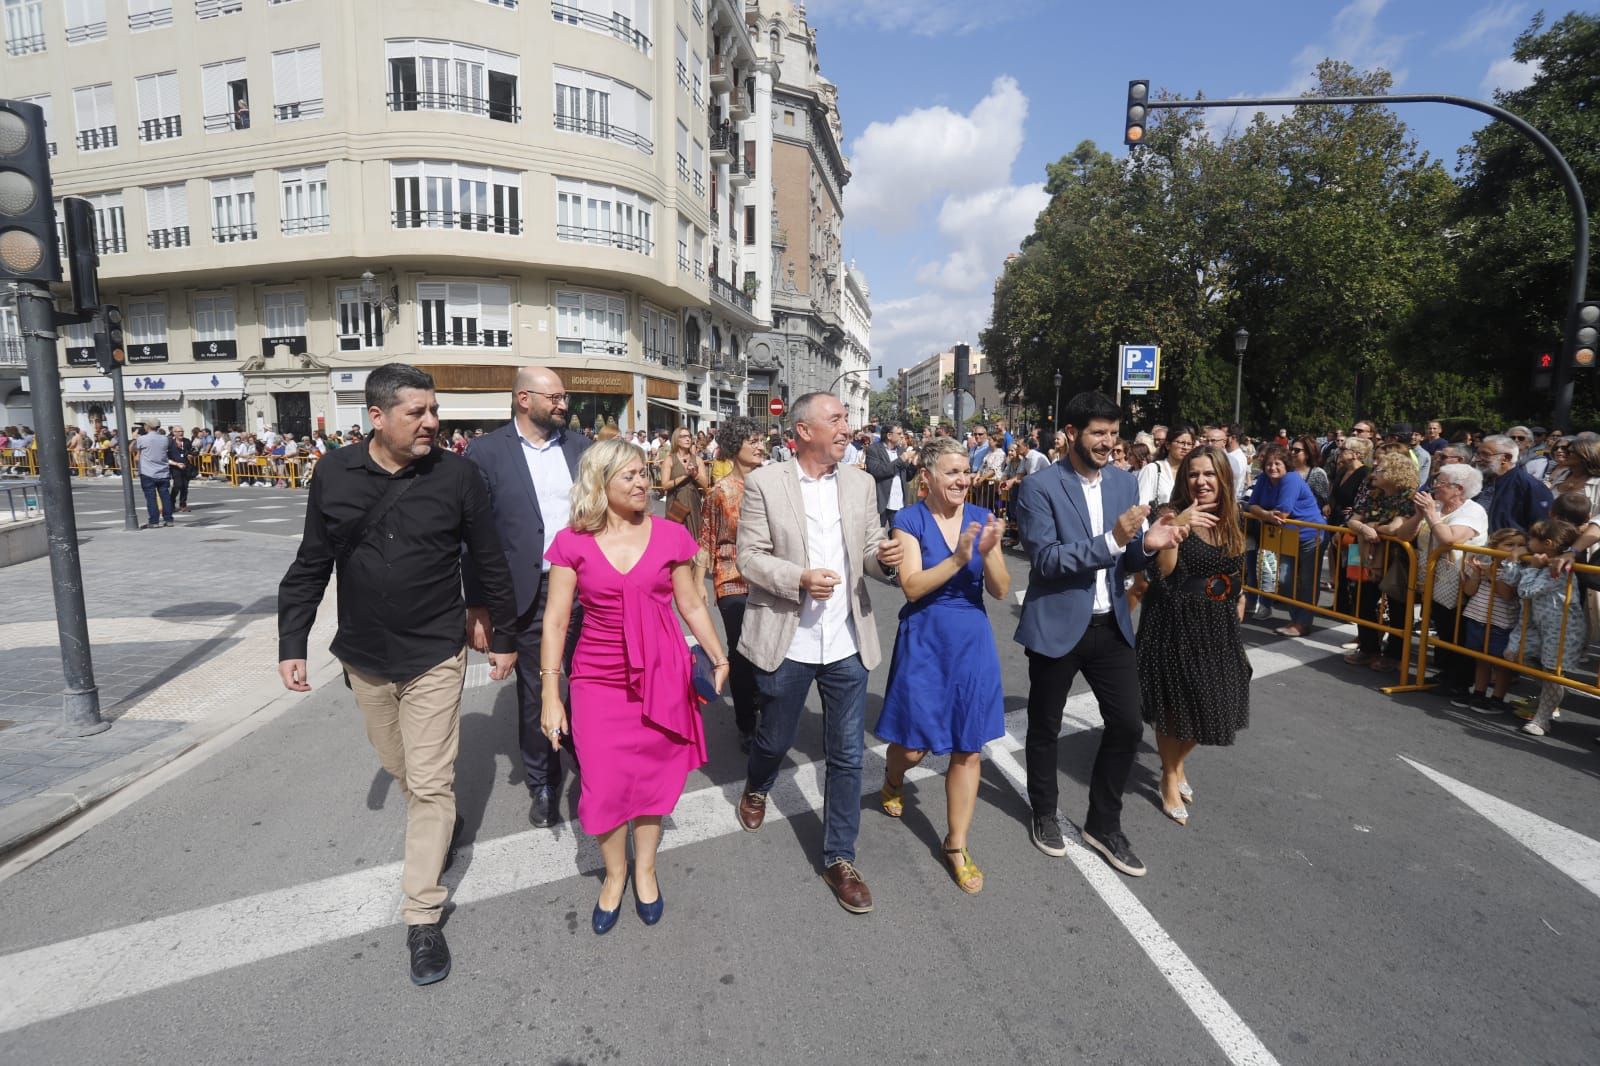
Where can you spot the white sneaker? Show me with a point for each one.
(1533, 729)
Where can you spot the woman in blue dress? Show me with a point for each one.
(944, 694)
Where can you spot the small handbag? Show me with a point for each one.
(703, 675)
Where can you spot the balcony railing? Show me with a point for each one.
(723, 139)
(697, 11)
(295, 227)
(715, 217)
(110, 245)
(88, 31)
(228, 120)
(25, 45)
(592, 346)
(13, 351)
(618, 26)
(210, 9)
(628, 242)
(683, 168)
(96, 139)
(172, 237)
(244, 231)
(724, 291)
(467, 220)
(735, 166)
(683, 258)
(699, 270)
(456, 338)
(299, 109)
(699, 184)
(160, 129)
(150, 20)
(683, 73)
(574, 124)
(459, 102)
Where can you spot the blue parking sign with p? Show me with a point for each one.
(1139, 366)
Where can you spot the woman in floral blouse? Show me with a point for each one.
(1382, 506)
(741, 440)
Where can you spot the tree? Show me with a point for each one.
(884, 405)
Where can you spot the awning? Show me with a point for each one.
(474, 406)
(674, 405)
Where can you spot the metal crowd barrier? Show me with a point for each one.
(1559, 675)
(1285, 540)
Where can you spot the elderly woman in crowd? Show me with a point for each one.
(1382, 507)
(944, 693)
(635, 722)
(1448, 518)
(742, 441)
(1281, 495)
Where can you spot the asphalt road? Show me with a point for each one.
(1329, 901)
(98, 503)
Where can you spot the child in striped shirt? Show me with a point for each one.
(1492, 610)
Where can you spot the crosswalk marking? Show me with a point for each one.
(53, 980)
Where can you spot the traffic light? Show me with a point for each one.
(83, 252)
(1544, 365)
(1585, 335)
(27, 225)
(109, 350)
(1138, 97)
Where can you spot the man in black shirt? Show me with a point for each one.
(393, 513)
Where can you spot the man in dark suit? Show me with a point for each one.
(888, 469)
(529, 466)
(1082, 526)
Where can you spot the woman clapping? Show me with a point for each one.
(944, 693)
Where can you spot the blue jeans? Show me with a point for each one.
(154, 487)
(843, 687)
(1297, 577)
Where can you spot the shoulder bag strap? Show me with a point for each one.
(397, 488)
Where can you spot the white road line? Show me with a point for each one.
(1571, 852)
(57, 979)
(260, 521)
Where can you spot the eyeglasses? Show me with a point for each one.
(1520, 439)
(1294, 451)
(556, 398)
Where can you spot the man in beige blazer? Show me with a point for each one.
(807, 532)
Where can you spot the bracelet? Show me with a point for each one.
(719, 662)
(546, 673)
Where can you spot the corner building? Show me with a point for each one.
(291, 192)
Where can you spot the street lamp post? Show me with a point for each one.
(1241, 341)
(1054, 411)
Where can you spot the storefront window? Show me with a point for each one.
(595, 409)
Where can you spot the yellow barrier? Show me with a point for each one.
(1557, 676)
(1285, 540)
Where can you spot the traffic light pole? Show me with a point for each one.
(130, 510)
(80, 702)
(1561, 387)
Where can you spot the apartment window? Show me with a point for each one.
(698, 162)
(166, 209)
(145, 323)
(444, 76)
(233, 209)
(626, 20)
(360, 323)
(698, 11)
(79, 342)
(213, 318)
(591, 323)
(149, 14)
(680, 59)
(682, 144)
(697, 73)
(283, 314)
(442, 195)
(97, 117)
(788, 118)
(158, 106)
(683, 243)
(24, 26)
(509, 5)
(591, 213)
(86, 20)
(297, 83)
(43, 102)
(464, 315)
(303, 200)
(210, 9)
(225, 96)
(749, 225)
(110, 223)
(660, 337)
(599, 106)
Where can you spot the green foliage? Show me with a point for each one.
(1368, 278)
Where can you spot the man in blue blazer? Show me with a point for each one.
(1082, 525)
(529, 466)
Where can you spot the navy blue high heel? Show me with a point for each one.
(604, 921)
(649, 913)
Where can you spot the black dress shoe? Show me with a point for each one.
(546, 810)
(430, 955)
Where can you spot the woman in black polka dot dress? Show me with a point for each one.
(1193, 673)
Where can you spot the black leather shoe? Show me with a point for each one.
(430, 955)
(1045, 832)
(1114, 848)
(546, 810)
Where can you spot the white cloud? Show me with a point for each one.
(925, 18)
(1508, 75)
(982, 228)
(930, 153)
(1494, 25)
(911, 329)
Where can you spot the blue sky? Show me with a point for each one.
(952, 109)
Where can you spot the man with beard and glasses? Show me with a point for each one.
(529, 466)
(1082, 526)
(393, 513)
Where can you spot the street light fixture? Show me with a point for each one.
(1241, 341)
(1054, 410)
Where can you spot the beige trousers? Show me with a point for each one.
(415, 726)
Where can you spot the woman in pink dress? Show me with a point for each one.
(635, 722)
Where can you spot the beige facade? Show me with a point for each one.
(291, 193)
(926, 382)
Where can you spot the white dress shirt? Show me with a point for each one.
(1097, 526)
(826, 631)
(897, 492)
(552, 483)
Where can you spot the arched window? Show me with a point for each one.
(691, 339)
(716, 341)
(775, 38)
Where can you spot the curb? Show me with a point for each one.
(28, 819)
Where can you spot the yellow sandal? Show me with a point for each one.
(968, 877)
(894, 804)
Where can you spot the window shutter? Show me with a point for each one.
(214, 89)
(285, 79)
(310, 73)
(155, 209)
(495, 301)
(148, 91)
